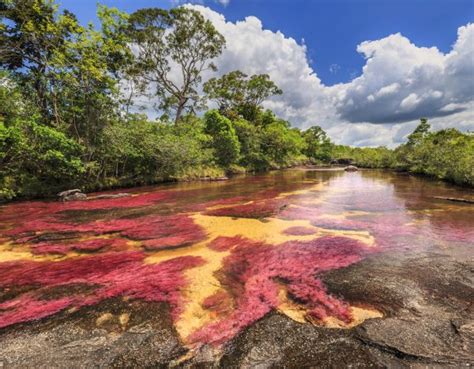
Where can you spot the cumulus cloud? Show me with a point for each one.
(400, 82)
(254, 50)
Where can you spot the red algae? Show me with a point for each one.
(113, 275)
(114, 236)
(225, 243)
(167, 243)
(93, 245)
(221, 303)
(299, 231)
(162, 230)
(257, 209)
(253, 272)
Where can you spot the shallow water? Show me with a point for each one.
(223, 254)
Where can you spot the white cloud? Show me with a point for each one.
(410, 102)
(400, 82)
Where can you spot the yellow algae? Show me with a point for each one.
(124, 319)
(344, 215)
(202, 280)
(289, 308)
(299, 314)
(359, 315)
(202, 283)
(11, 252)
(104, 318)
(269, 231)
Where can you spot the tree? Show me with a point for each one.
(318, 144)
(224, 138)
(250, 138)
(419, 133)
(281, 145)
(34, 158)
(67, 70)
(179, 38)
(33, 38)
(235, 92)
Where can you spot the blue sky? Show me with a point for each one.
(331, 29)
(364, 70)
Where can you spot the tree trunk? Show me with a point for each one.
(180, 109)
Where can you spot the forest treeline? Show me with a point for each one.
(69, 115)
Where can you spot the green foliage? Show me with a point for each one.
(446, 154)
(67, 70)
(250, 138)
(141, 151)
(317, 144)
(366, 157)
(281, 145)
(225, 142)
(236, 93)
(182, 36)
(36, 159)
(419, 133)
(62, 126)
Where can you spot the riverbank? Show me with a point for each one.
(218, 174)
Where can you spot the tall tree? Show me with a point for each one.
(164, 40)
(235, 92)
(33, 37)
(419, 133)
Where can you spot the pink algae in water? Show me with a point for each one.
(253, 272)
(225, 243)
(92, 245)
(112, 274)
(299, 231)
(258, 209)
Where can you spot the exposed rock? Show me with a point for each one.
(215, 179)
(69, 192)
(72, 195)
(113, 334)
(455, 199)
(351, 168)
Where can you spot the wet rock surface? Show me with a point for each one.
(114, 334)
(426, 301)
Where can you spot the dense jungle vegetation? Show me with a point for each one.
(67, 114)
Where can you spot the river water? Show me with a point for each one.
(224, 254)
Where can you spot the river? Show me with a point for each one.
(284, 268)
